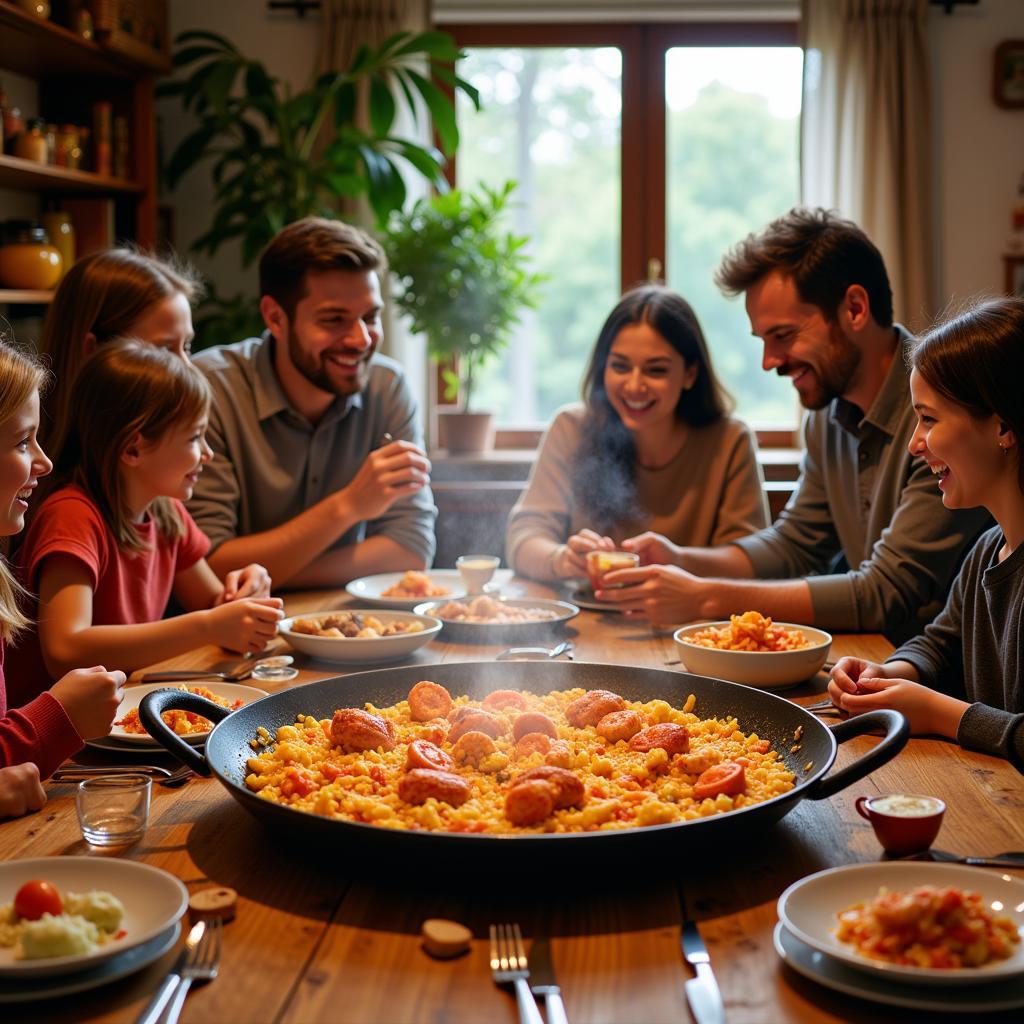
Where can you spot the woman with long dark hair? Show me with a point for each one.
(651, 449)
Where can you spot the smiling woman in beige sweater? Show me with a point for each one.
(652, 448)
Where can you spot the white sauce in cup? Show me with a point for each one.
(902, 805)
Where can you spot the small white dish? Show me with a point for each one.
(120, 966)
(153, 901)
(133, 697)
(369, 590)
(364, 651)
(834, 974)
(766, 670)
(808, 909)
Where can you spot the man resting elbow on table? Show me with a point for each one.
(319, 471)
(818, 295)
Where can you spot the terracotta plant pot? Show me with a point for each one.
(466, 431)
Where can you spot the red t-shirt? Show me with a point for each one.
(128, 588)
(40, 732)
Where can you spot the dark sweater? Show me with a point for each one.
(973, 650)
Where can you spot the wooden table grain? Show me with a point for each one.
(331, 935)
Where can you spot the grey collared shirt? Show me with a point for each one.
(861, 493)
(270, 463)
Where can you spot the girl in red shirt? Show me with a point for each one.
(36, 738)
(108, 549)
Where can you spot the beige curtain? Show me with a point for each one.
(865, 132)
(350, 23)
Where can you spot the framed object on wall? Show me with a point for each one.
(1014, 274)
(1008, 74)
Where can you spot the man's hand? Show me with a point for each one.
(570, 559)
(653, 549)
(661, 593)
(387, 474)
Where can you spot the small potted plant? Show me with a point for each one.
(464, 283)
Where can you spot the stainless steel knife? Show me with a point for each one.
(542, 981)
(702, 992)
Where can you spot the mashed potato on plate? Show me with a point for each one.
(89, 920)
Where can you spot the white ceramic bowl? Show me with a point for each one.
(365, 651)
(767, 670)
(808, 909)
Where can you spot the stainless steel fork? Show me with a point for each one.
(509, 964)
(200, 965)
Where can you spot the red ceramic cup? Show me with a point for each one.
(903, 822)
(600, 562)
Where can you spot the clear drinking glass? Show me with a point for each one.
(113, 810)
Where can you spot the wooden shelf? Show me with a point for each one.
(23, 297)
(33, 47)
(31, 176)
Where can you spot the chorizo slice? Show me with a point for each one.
(592, 707)
(530, 802)
(355, 729)
(532, 743)
(419, 785)
(674, 739)
(620, 725)
(429, 700)
(534, 721)
(500, 699)
(475, 720)
(472, 747)
(570, 787)
(423, 754)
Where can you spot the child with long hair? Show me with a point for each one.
(107, 550)
(36, 738)
(963, 677)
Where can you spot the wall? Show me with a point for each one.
(978, 148)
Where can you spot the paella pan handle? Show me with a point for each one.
(897, 732)
(154, 704)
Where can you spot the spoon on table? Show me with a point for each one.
(536, 653)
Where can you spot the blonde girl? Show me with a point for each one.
(108, 549)
(116, 293)
(964, 676)
(36, 738)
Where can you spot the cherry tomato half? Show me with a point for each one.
(36, 898)
(729, 778)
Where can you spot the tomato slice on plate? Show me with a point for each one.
(36, 898)
(728, 777)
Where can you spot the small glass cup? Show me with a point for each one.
(476, 571)
(600, 562)
(113, 810)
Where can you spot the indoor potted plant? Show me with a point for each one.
(464, 281)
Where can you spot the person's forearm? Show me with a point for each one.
(533, 559)
(367, 558)
(947, 712)
(124, 647)
(728, 562)
(901, 670)
(289, 549)
(784, 601)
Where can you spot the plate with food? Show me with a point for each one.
(129, 731)
(753, 650)
(913, 922)
(487, 619)
(59, 915)
(406, 589)
(359, 636)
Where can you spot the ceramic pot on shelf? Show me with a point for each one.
(466, 431)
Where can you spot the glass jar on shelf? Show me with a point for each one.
(27, 259)
(31, 143)
(61, 233)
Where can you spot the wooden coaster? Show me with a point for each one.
(445, 939)
(219, 901)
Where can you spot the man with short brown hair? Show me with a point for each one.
(818, 295)
(319, 471)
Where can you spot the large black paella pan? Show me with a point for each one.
(771, 717)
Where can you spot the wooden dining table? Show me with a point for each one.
(332, 933)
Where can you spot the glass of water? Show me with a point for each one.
(113, 810)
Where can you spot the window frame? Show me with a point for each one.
(643, 201)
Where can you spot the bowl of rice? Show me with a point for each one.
(753, 650)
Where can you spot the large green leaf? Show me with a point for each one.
(196, 34)
(441, 110)
(382, 106)
(190, 149)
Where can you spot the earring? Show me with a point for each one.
(1005, 449)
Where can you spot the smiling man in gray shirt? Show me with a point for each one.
(818, 295)
(318, 471)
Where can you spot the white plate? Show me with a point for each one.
(365, 651)
(766, 670)
(134, 694)
(808, 909)
(153, 901)
(997, 995)
(368, 589)
(119, 966)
